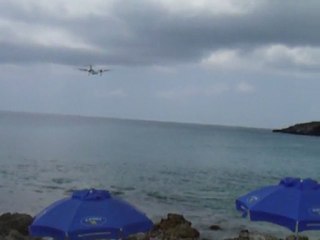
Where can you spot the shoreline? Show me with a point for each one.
(14, 226)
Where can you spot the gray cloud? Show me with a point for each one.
(148, 33)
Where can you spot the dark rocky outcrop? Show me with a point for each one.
(175, 226)
(215, 227)
(15, 221)
(310, 128)
(14, 226)
(248, 235)
(293, 237)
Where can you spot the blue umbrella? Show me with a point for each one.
(294, 203)
(89, 214)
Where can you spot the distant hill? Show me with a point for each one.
(309, 128)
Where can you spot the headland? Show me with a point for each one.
(309, 128)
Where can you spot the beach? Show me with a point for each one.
(172, 227)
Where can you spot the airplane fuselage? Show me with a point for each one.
(93, 72)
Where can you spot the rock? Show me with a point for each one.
(14, 226)
(16, 221)
(138, 236)
(172, 221)
(215, 227)
(15, 235)
(175, 226)
(246, 235)
(293, 237)
(182, 231)
(310, 128)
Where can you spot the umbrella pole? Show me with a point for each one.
(121, 234)
(296, 230)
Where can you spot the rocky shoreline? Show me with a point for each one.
(309, 128)
(14, 226)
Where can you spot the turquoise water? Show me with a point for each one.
(195, 170)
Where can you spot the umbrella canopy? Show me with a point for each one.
(89, 214)
(294, 203)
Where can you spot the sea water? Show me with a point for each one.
(190, 169)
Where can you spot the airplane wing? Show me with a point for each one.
(105, 70)
(83, 69)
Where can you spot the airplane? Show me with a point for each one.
(92, 71)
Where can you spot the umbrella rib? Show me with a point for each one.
(73, 216)
(298, 214)
(296, 230)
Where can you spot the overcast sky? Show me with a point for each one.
(248, 63)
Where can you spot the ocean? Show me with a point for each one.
(190, 169)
